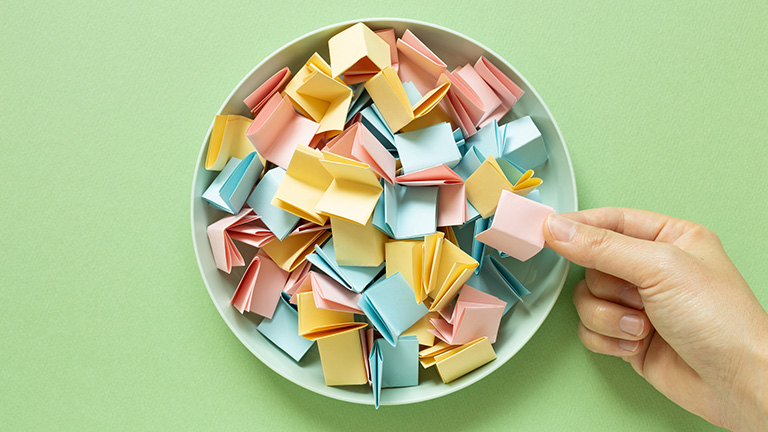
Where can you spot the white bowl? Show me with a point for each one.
(544, 275)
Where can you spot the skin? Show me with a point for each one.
(662, 294)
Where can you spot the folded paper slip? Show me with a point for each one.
(445, 269)
(275, 84)
(475, 315)
(394, 366)
(497, 280)
(453, 362)
(390, 306)
(358, 50)
(489, 140)
(316, 323)
(259, 289)
(485, 185)
(305, 183)
(357, 142)
(371, 118)
(405, 257)
(228, 140)
(317, 95)
(418, 64)
(283, 331)
(421, 330)
(358, 245)
(502, 85)
(427, 147)
(352, 277)
(390, 98)
(354, 191)
(342, 359)
(451, 198)
(406, 212)
(232, 186)
(291, 252)
(517, 227)
(225, 253)
(435, 116)
(523, 145)
(279, 221)
(331, 295)
(277, 130)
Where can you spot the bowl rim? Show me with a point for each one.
(448, 389)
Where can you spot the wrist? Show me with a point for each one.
(752, 385)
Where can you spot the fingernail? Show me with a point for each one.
(561, 228)
(631, 324)
(631, 297)
(628, 345)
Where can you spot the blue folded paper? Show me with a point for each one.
(523, 145)
(394, 366)
(497, 280)
(391, 307)
(374, 122)
(427, 147)
(360, 98)
(279, 221)
(283, 330)
(232, 186)
(489, 140)
(352, 277)
(458, 136)
(478, 247)
(405, 212)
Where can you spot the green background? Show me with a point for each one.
(104, 319)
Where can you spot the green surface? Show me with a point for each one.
(106, 323)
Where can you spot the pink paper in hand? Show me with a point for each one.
(475, 315)
(451, 194)
(225, 253)
(259, 289)
(275, 84)
(516, 227)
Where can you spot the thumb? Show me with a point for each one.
(622, 256)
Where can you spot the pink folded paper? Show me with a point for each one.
(468, 100)
(388, 35)
(220, 236)
(357, 142)
(418, 64)
(278, 129)
(475, 315)
(451, 194)
(455, 110)
(502, 85)
(327, 293)
(275, 84)
(516, 227)
(296, 277)
(259, 289)
(488, 100)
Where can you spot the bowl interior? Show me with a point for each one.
(544, 274)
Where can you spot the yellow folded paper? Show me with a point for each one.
(446, 268)
(304, 184)
(315, 323)
(228, 139)
(526, 184)
(358, 50)
(342, 359)
(357, 245)
(427, 355)
(456, 361)
(293, 250)
(354, 191)
(484, 187)
(405, 257)
(431, 252)
(421, 329)
(319, 96)
(390, 98)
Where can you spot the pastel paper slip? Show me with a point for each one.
(517, 227)
(371, 118)
(421, 329)
(353, 277)
(358, 50)
(475, 315)
(357, 142)
(225, 253)
(259, 289)
(394, 366)
(316, 323)
(405, 257)
(418, 64)
(254, 233)
(358, 245)
(390, 98)
(390, 306)
(426, 148)
(283, 331)
(451, 198)
(502, 85)
(489, 140)
(279, 221)
(291, 252)
(485, 185)
(406, 212)
(360, 100)
(497, 280)
(329, 294)
(446, 268)
(453, 362)
(342, 359)
(305, 183)
(232, 186)
(523, 145)
(275, 84)
(435, 116)
(354, 191)
(295, 279)
(228, 140)
(489, 101)
(277, 130)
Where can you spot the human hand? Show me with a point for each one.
(662, 294)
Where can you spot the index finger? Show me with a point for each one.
(635, 223)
